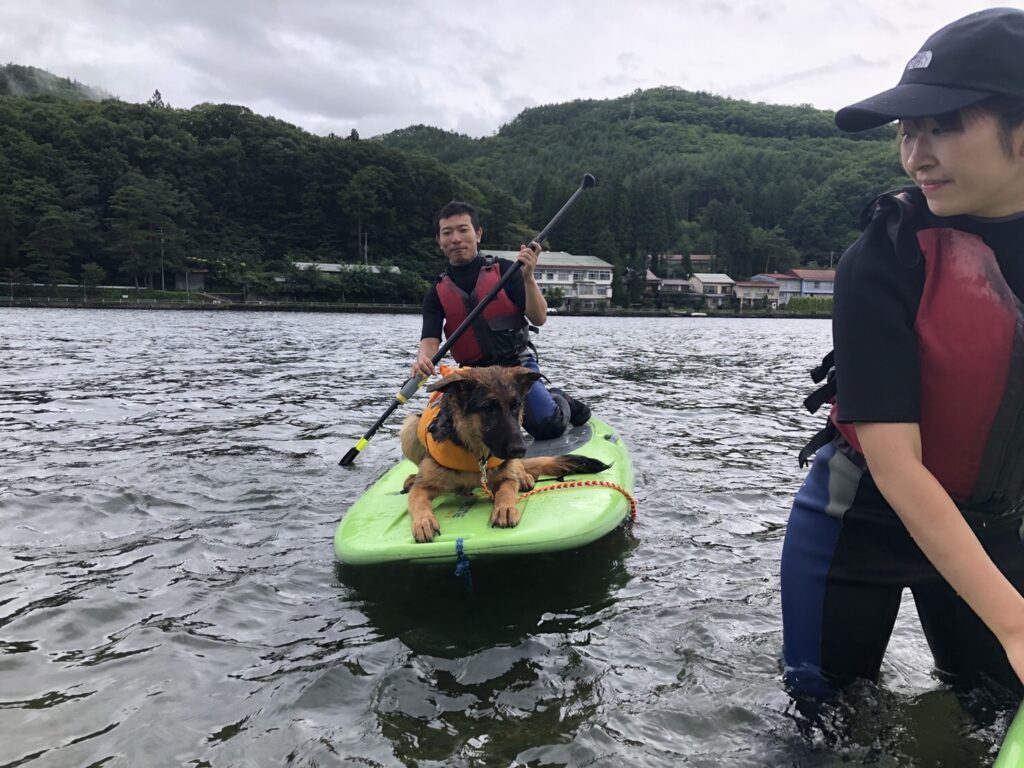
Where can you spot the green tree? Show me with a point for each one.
(92, 275)
(771, 251)
(149, 225)
(47, 250)
(8, 236)
(826, 221)
(12, 276)
(367, 198)
(728, 227)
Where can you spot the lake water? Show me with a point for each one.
(169, 491)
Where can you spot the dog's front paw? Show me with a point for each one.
(505, 516)
(527, 481)
(425, 528)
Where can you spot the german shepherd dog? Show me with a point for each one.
(481, 413)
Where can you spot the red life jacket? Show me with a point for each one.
(970, 334)
(498, 335)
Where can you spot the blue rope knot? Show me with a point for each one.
(462, 565)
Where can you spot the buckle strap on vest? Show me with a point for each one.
(820, 396)
(819, 441)
(824, 371)
(824, 368)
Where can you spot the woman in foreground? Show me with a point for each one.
(922, 482)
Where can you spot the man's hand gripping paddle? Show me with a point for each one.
(413, 383)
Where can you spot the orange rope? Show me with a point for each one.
(585, 484)
(570, 484)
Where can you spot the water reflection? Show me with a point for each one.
(433, 612)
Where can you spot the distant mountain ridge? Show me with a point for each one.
(763, 187)
(771, 178)
(20, 80)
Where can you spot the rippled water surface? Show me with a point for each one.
(169, 491)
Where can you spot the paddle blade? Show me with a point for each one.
(354, 451)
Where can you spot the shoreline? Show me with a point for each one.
(389, 309)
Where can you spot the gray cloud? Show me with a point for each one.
(333, 66)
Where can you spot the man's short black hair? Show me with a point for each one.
(455, 208)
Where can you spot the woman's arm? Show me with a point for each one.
(893, 453)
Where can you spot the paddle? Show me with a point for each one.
(414, 382)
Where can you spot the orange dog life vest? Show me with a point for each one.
(447, 453)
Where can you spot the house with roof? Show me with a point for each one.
(674, 291)
(652, 285)
(715, 287)
(756, 293)
(585, 282)
(800, 282)
(815, 282)
(789, 285)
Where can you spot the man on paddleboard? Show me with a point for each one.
(501, 333)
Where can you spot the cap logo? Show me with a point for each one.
(920, 61)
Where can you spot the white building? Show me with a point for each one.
(337, 268)
(585, 281)
(715, 287)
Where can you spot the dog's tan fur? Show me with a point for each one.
(468, 393)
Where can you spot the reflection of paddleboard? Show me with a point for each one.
(1011, 755)
(377, 527)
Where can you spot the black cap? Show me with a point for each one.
(978, 56)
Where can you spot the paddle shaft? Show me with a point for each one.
(414, 382)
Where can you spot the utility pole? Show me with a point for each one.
(163, 285)
(366, 249)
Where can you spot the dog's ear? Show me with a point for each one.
(526, 378)
(452, 379)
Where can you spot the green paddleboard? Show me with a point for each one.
(1011, 755)
(377, 528)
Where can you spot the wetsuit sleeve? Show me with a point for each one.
(875, 303)
(433, 315)
(515, 288)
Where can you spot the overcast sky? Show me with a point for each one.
(467, 66)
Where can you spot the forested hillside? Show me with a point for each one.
(136, 191)
(16, 80)
(141, 190)
(762, 186)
